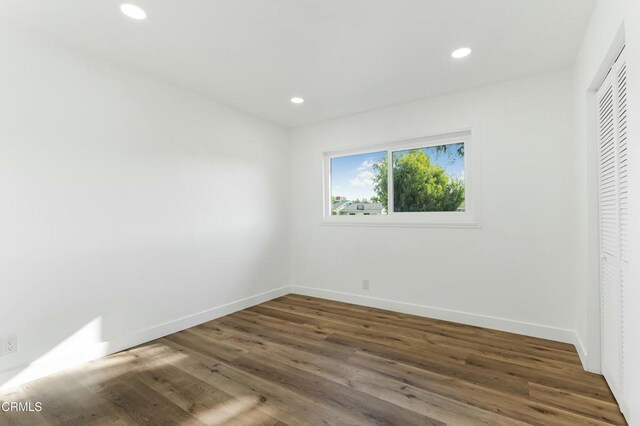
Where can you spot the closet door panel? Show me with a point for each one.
(612, 171)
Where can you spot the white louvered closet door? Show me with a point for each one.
(613, 184)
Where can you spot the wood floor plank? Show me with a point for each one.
(299, 360)
(397, 392)
(586, 384)
(207, 403)
(341, 398)
(376, 314)
(66, 401)
(596, 408)
(497, 380)
(505, 403)
(140, 404)
(285, 336)
(444, 345)
(501, 339)
(486, 338)
(282, 403)
(375, 333)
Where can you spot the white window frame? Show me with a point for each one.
(467, 219)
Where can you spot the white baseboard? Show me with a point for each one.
(503, 324)
(582, 352)
(35, 370)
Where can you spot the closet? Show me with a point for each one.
(613, 206)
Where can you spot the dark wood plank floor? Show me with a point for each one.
(302, 360)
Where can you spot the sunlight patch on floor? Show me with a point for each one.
(83, 345)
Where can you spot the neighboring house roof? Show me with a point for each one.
(339, 205)
(362, 207)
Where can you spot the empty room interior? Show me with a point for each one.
(320, 212)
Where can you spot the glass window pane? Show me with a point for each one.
(429, 179)
(356, 184)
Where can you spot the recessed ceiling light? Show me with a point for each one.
(297, 100)
(133, 11)
(461, 53)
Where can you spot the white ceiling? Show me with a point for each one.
(342, 56)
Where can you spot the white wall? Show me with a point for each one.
(614, 23)
(126, 204)
(516, 272)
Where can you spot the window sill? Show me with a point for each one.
(403, 224)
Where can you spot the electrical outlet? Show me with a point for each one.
(365, 284)
(11, 345)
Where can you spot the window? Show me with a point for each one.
(428, 183)
(429, 179)
(354, 183)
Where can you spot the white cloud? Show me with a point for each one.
(364, 178)
(366, 165)
(365, 175)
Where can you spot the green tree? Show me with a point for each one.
(380, 181)
(418, 184)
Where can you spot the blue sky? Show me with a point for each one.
(352, 176)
